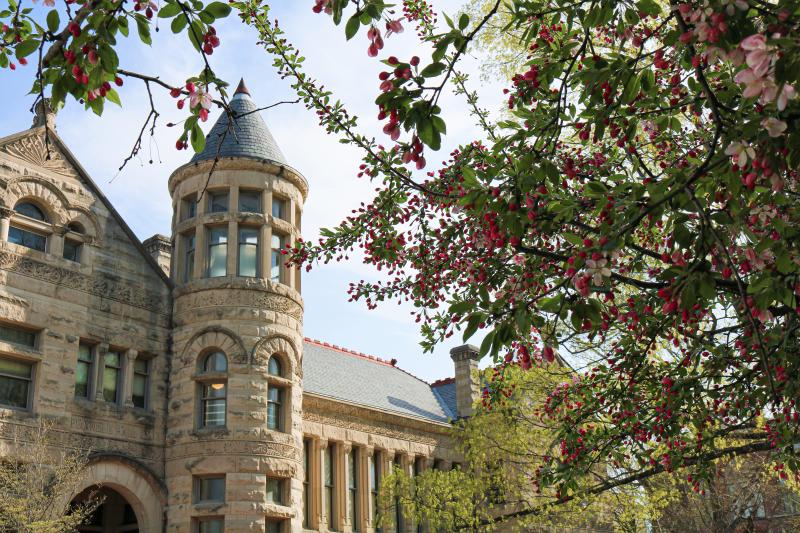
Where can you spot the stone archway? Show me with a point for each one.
(137, 487)
(113, 515)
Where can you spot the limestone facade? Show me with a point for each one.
(180, 362)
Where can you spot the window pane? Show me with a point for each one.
(214, 412)
(14, 392)
(216, 362)
(72, 250)
(276, 258)
(218, 252)
(82, 373)
(141, 366)
(274, 527)
(28, 239)
(274, 367)
(275, 490)
(212, 489)
(216, 525)
(250, 201)
(218, 202)
(188, 263)
(189, 207)
(18, 336)
(278, 210)
(30, 210)
(139, 390)
(17, 369)
(110, 378)
(248, 252)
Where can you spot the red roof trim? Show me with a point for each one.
(351, 352)
(443, 381)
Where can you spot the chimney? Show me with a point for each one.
(160, 248)
(44, 115)
(468, 391)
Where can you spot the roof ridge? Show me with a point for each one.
(391, 363)
(443, 381)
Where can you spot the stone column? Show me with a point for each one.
(5, 222)
(200, 251)
(56, 246)
(322, 517)
(466, 359)
(100, 352)
(343, 493)
(233, 248)
(127, 377)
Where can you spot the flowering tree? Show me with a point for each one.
(638, 204)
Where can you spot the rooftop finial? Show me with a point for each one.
(44, 115)
(242, 88)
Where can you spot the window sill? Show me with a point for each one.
(208, 507)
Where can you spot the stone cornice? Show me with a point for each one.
(239, 163)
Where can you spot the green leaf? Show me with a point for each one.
(218, 9)
(113, 96)
(433, 70)
(487, 343)
(53, 22)
(473, 322)
(178, 23)
(459, 308)
(650, 7)
(463, 21)
(143, 28)
(26, 48)
(352, 26)
(169, 10)
(197, 138)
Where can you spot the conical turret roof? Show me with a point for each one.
(248, 136)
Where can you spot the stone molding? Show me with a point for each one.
(216, 297)
(96, 284)
(201, 448)
(280, 344)
(353, 417)
(213, 337)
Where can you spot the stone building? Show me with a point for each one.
(181, 363)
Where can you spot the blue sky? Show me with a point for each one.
(140, 194)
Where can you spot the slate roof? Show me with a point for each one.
(248, 137)
(363, 380)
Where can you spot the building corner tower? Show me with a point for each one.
(234, 435)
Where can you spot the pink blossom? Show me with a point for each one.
(774, 127)
(740, 150)
(787, 93)
(200, 97)
(394, 26)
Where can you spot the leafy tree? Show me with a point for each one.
(35, 489)
(639, 204)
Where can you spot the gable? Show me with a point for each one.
(33, 167)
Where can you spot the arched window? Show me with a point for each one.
(213, 386)
(73, 242)
(276, 395)
(30, 210)
(29, 230)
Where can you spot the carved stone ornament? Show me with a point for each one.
(97, 285)
(32, 149)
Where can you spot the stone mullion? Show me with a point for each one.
(322, 517)
(99, 355)
(233, 248)
(343, 492)
(363, 488)
(200, 251)
(127, 377)
(56, 241)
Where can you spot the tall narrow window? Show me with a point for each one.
(218, 202)
(374, 485)
(188, 257)
(330, 484)
(278, 208)
(275, 526)
(213, 390)
(209, 489)
(250, 201)
(274, 406)
(352, 485)
(72, 250)
(141, 382)
(276, 490)
(16, 378)
(248, 252)
(217, 252)
(111, 374)
(189, 207)
(83, 371)
(276, 268)
(211, 525)
(307, 483)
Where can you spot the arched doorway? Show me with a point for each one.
(114, 514)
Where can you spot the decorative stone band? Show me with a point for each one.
(262, 294)
(96, 284)
(201, 448)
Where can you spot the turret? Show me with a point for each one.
(234, 440)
